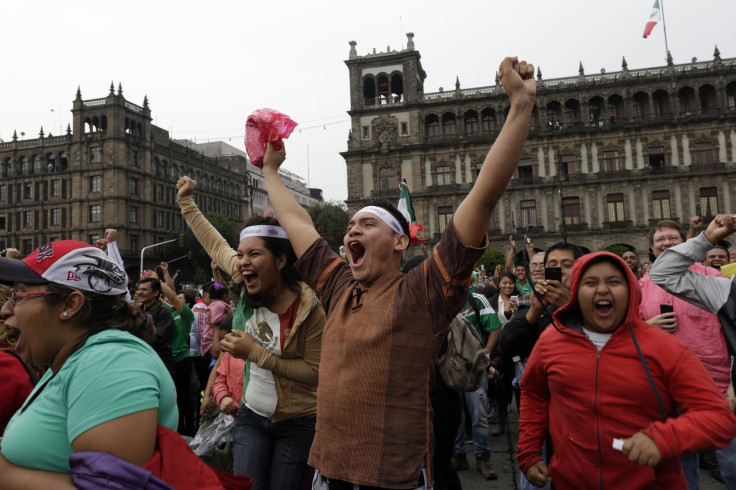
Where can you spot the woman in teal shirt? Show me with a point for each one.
(105, 388)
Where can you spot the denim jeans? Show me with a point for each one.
(274, 454)
(477, 403)
(726, 461)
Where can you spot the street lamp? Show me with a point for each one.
(249, 189)
(562, 196)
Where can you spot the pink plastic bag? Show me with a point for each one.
(266, 126)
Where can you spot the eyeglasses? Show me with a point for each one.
(536, 266)
(16, 296)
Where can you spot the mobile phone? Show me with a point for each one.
(342, 250)
(553, 273)
(665, 309)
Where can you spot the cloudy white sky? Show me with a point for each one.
(206, 65)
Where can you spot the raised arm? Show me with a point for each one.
(671, 271)
(167, 287)
(510, 255)
(474, 213)
(214, 244)
(293, 218)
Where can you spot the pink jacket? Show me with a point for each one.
(229, 381)
(697, 328)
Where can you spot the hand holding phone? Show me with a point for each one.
(553, 273)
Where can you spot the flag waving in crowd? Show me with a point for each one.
(407, 210)
(654, 18)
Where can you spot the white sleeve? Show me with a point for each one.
(114, 253)
(671, 271)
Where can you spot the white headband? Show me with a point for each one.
(264, 231)
(385, 216)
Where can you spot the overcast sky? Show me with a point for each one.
(205, 66)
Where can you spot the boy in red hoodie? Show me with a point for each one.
(586, 384)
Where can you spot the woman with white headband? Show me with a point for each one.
(277, 329)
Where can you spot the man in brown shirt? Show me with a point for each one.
(383, 327)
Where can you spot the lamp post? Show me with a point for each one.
(561, 195)
(249, 190)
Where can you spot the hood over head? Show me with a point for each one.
(569, 315)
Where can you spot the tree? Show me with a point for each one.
(618, 249)
(489, 260)
(331, 220)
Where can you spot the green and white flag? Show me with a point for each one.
(405, 206)
(654, 18)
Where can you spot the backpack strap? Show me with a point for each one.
(646, 370)
(31, 373)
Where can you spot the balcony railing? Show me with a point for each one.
(618, 225)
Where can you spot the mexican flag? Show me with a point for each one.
(407, 210)
(654, 18)
(405, 202)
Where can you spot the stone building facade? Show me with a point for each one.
(607, 155)
(114, 169)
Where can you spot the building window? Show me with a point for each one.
(444, 213)
(95, 154)
(134, 243)
(133, 186)
(471, 125)
(611, 161)
(94, 213)
(387, 178)
(656, 156)
(615, 207)
(568, 166)
(93, 239)
(528, 212)
(3, 193)
(36, 164)
(55, 188)
(27, 219)
(433, 127)
(134, 214)
(28, 190)
(708, 202)
(448, 125)
(160, 192)
(366, 132)
(160, 219)
(443, 175)
(661, 201)
(95, 183)
(526, 171)
(404, 128)
(2, 221)
(703, 153)
(10, 168)
(55, 217)
(571, 206)
(155, 167)
(24, 166)
(488, 122)
(27, 247)
(133, 158)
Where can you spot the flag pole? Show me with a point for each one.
(664, 28)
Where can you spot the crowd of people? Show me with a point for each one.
(327, 364)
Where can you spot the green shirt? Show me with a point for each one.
(525, 289)
(180, 340)
(113, 375)
(488, 321)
